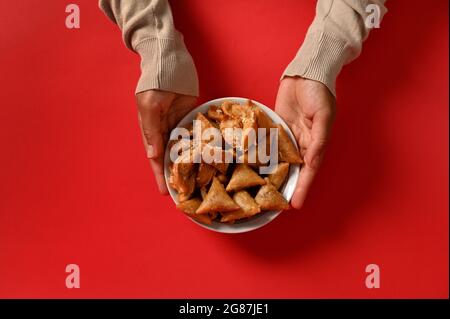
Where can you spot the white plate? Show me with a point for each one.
(287, 189)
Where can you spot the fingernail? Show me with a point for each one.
(150, 151)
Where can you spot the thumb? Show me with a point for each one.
(150, 111)
(151, 135)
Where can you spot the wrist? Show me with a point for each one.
(166, 65)
(320, 58)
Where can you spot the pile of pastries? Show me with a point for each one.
(230, 192)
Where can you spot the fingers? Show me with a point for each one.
(304, 183)
(151, 105)
(320, 131)
(157, 165)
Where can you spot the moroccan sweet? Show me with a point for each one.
(217, 171)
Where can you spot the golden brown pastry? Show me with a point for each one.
(182, 177)
(263, 120)
(221, 165)
(230, 135)
(222, 178)
(206, 171)
(268, 198)
(204, 175)
(286, 149)
(248, 207)
(185, 195)
(249, 126)
(189, 207)
(203, 192)
(215, 113)
(233, 110)
(244, 177)
(279, 175)
(217, 200)
(205, 123)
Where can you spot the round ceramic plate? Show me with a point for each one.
(287, 189)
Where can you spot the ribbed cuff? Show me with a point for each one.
(320, 58)
(166, 65)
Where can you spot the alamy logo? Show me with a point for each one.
(373, 18)
(73, 278)
(373, 277)
(73, 19)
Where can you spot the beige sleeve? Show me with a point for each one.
(148, 29)
(334, 39)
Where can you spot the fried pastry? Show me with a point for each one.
(204, 175)
(182, 177)
(217, 200)
(249, 125)
(279, 175)
(230, 135)
(268, 198)
(244, 177)
(233, 110)
(222, 178)
(286, 149)
(215, 113)
(203, 192)
(205, 123)
(263, 120)
(202, 168)
(221, 164)
(189, 207)
(188, 188)
(248, 207)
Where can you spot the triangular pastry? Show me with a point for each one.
(279, 175)
(189, 207)
(268, 198)
(217, 200)
(222, 178)
(244, 177)
(248, 207)
(263, 119)
(286, 149)
(215, 113)
(206, 124)
(203, 192)
(204, 175)
(188, 188)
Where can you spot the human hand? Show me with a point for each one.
(308, 107)
(159, 112)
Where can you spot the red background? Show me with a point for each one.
(76, 187)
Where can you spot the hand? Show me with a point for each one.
(159, 112)
(308, 107)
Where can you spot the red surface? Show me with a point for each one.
(75, 185)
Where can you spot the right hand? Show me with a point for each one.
(308, 107)
(159, 112)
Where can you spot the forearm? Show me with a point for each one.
(334, 39)
(148, 29)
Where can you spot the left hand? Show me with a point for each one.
(159, 112)
(308, 107)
